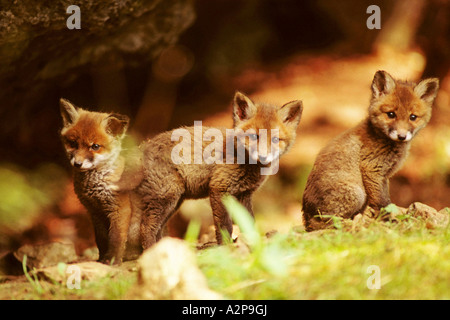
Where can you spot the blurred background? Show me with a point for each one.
(168, 63)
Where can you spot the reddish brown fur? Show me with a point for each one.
(353, 170)
(166, 184)
(104, 178)
(87, 130)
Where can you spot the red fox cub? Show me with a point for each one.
(212, 162)
(104, 175)
(353, 170)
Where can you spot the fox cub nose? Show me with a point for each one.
(401, 137)
(77, 164)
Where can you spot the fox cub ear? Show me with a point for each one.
(427, 89)
(291, 113)
(243, 108)
(382, 84)
(69, 112)
(116, 124)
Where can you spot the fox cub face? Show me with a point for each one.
(400, 109)
(91, 139)
(268, 131)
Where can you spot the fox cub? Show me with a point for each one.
(104, 176)
(167, 181)
(352, 171)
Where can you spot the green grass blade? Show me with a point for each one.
(243, 219)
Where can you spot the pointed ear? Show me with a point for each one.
(427, 89)
(382, 84)
(291, 113)
(69, 112)
(243, 108)
(116, 124)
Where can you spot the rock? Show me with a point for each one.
(168, 270)
(90, 254)
(445, 211)
(87, 271)
(434, 218)
(361, 221)
(208, 238)
(396, 213)
(33, 34)
(45, 255)
(40, 59)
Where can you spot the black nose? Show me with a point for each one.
(77, 164)
(401, 137)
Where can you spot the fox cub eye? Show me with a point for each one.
(275, 139)
(95, 147)
(72, 143)
(413, 117)
(391, 115)
(253, 136)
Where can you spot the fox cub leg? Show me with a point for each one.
(345, 201)
(234, 187)
(118, 230)
(101, 227)
(377, 188)
(111, 229)
(159, 202)
(222, 220)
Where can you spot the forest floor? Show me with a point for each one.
(411, 255)
(407, 257)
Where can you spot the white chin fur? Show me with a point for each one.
(254, 156)
(408, 136)
(86, 165)
(100, 159)
(394, 136)
(269, 158)
(266, 160)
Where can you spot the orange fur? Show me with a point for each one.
(167, 184)
(353, 170)
(104, 177)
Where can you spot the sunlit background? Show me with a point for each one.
(168, 63)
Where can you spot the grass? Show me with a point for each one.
(413, 261)
(32, 288)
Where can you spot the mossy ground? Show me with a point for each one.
(406, 259)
